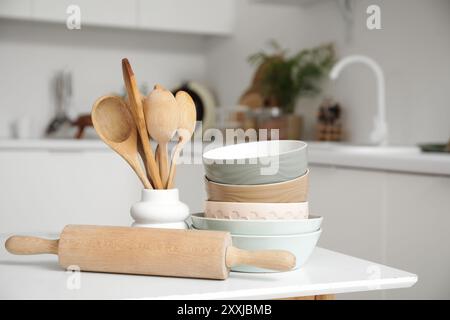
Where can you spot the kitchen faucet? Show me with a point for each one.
(379, 133)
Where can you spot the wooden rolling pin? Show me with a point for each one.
(162, 252)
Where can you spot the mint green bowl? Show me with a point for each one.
(301, 245)
(257, 227)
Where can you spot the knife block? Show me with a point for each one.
(160, 208)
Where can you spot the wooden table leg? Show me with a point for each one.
(318, 297)
(300, 298)
(326, 297)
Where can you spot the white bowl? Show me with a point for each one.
(256, 211)
(255, 163)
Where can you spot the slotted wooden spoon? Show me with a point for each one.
(161, 115)
(186, 127)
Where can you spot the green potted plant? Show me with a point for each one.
(280, 79)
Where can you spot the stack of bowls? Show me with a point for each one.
(258, 192)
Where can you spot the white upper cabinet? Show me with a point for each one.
(195, 16)
(115, 13)
(191, 16)
(16, 9)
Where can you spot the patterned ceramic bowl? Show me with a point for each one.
(256, 211)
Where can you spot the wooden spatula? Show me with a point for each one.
(135, 101)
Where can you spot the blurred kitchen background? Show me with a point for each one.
(383, 187)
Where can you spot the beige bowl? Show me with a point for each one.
(295, 190)
(256, 211)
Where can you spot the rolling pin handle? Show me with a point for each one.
(31, 245)
(280, 260)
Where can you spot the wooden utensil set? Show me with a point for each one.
(127, 125)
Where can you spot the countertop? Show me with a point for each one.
(52, 144)
(326, 272)
(390, 158)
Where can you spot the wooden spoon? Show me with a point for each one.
(161, 115)
(186, 127)
(114, 124)
(138, 114)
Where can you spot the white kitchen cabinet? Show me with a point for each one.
(44, 189)
(16, 9)
(193, 16)
(399, 219)
(196, 16)
(189, 180)
(349, 201)
(418, 232)
(117, 13)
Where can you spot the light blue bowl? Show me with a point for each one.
(301, 245)
(257, 227)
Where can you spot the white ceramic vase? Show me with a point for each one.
(160, 209)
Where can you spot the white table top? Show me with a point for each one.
(326, 272)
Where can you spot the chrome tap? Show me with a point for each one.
(379, 134)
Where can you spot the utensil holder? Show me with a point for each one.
(160, 208)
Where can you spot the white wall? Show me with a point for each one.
(292, 26)
(30, 53)
(413, 49)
